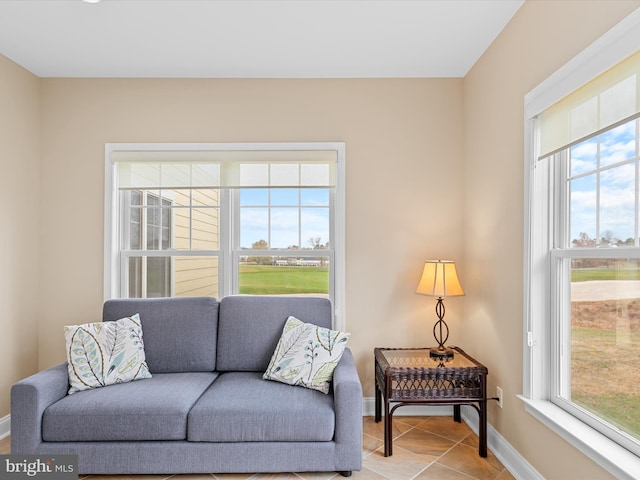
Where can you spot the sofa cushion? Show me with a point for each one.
(179, 333)
(250, 327)
(153, 409)
(100, 354)
(242, 407)
(306, 355)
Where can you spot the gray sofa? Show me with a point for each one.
(206, 408)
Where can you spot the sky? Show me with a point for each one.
(616, 205)
(284, 217)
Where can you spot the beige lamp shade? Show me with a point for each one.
(440, 279)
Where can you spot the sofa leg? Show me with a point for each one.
(345, 474)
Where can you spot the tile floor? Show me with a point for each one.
(424, 448)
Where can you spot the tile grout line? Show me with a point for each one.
(457, 443)
(415, 427)
(439, 456)
(461, 443)
(411, 427)
(454, 446)
(371, 453)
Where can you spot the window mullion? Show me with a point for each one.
(636, 240)
(229, 240)
(269, 207)
(171, 253)
(160, 219)
(561, 329)
(143, 244)
(299, 216)
(190, 219)
(598, 174)
(124, 275)
(560, 293)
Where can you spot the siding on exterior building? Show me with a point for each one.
(195, 276)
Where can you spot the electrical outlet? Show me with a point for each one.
(499, 395)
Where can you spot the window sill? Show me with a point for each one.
(615, 459)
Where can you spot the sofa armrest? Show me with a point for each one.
(29, 399)
(347, 397)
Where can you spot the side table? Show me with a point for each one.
(409, 376)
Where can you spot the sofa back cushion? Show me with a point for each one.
(179, 333)
(251, 325)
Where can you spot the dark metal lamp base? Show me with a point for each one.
(441, 353)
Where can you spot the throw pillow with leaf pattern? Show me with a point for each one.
(306, 355)
(104, 353)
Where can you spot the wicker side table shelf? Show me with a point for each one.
(409, 376)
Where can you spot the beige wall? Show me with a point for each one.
(542, 37)
(403, 138)
(447, 153)
(19, 225)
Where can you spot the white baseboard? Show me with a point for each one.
(508, 456)
(5, 426)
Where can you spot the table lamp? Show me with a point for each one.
(439, 279)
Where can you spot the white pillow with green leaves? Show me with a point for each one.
(306, 355)
(104, 353)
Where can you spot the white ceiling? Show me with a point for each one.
(250, 38)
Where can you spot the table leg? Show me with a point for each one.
(456, 414)
(482, 450)
(378, 414)
(388, 430)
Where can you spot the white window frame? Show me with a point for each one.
(228, 283)
(540, 342)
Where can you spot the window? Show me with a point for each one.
(221, 219)
(595, 287)
(168, 241)
(582, 268)
(290, 228)
(145, 222)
